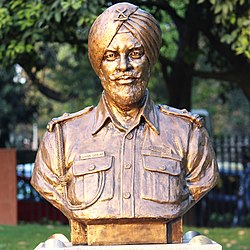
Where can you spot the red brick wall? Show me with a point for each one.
(8, 200)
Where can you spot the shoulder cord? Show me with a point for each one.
(60, 155)
(61, 172)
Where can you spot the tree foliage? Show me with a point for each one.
(233, 16)
(15, 107)
(202, 39)
(28, 28)
(217, 30)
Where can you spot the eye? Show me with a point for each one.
(110, 56)
(136, 53)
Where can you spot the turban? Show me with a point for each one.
(142, 25)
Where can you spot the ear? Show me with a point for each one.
(100, 74)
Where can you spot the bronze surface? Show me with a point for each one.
(131, 233)
(126, 159)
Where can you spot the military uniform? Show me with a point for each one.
(124, 180)
(91, 168)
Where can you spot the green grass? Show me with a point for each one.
(28, 236)
(229, 238)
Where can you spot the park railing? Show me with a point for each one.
(228, 204)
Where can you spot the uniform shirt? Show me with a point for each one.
(92, 168)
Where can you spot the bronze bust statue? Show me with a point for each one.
(123, 170)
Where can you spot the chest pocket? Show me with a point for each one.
(161, 179)
(93, 180)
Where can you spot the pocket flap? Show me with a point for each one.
(90, 166)
(161, 154)
(162, 165)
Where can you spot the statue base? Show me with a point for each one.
(184, 246)
(192, 241)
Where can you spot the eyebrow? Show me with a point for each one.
(139, 46)
(133, 46)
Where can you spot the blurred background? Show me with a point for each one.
(204, 66)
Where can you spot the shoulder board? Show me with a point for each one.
(194, 118)
(67, 116)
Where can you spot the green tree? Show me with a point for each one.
(207, 44)
(202, 39)
(29, 28)
(14, 106)
(213, 30)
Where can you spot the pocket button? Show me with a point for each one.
(91, 167)
(126, 195)
(129, 136)
(128, 166)
(162, 168)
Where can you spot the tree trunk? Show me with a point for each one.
(179, 80)
(179, 86)
(4, 138)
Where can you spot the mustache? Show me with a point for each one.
(125, 75)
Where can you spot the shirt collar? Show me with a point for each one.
(148, 112)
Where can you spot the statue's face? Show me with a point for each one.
(125, 70)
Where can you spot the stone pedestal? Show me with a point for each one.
(184, 246)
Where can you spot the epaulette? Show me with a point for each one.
(194, 118)
(67, 116)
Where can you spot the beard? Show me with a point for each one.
(125, 95)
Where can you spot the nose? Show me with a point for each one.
(123, 63)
